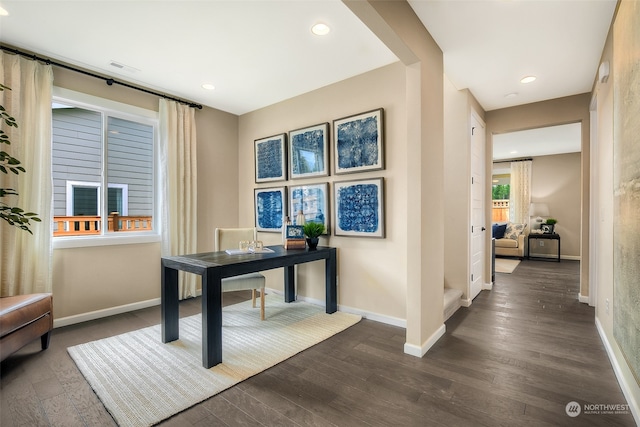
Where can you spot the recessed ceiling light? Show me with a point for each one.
(511, 95)
(320, 29)
(208, 86)
(528, 79)
(3, 11)
(513, 152)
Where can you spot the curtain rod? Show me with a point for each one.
(108, 80)
(527, 159)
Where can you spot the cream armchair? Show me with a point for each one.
(229, 238)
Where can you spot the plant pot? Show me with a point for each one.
(313, 242)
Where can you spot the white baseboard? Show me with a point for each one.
(389, 320)
(552, 256)
(414, 350)
(634, 406)
(487, 286)
(465, 302)
(98, 314)
(583, 299)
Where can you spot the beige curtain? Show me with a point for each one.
(179, 187)
(520, 193)
(25, 259)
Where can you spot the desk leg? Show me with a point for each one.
(169, 308)
(289, 283)
(558, 249)
(330, 283)
(211, 318)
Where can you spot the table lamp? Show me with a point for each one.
(538, 210)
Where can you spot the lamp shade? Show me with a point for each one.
(538, 209)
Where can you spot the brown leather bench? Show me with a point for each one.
(23, 318)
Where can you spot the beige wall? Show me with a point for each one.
(571, 109)
(370, 270)
(555, 180)
(103, 277)
(603, 219)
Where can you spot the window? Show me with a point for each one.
(103, 157)
(500, 195)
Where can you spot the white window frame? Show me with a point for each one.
(126, 112)
(72, 184)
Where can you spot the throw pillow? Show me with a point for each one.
(498, 230)
(514, 230)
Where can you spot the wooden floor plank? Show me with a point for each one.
(515, 357)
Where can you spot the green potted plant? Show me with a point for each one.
(313, 231)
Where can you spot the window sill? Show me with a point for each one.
(108, 240)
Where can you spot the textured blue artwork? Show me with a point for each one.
(269, 209)
(312, 200)
(269, 157)
(358, 143)
(358, 208)
(307, 151)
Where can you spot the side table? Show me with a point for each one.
(552, 236)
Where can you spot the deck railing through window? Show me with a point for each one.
(500, 211)
(91, 225)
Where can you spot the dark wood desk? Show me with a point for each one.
(551, 236)
(215, 266)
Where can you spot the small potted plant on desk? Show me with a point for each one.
(313, 230)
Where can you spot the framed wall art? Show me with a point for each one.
(271, 158)
(309, 151)
(313, 200)
(270, 206)
(359, 208)
(359, 142)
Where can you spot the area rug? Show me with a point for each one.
(142, 381)
(504, 265)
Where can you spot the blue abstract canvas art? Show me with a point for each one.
(270, 209)
(312, 200)
(359, 142)
(308, 149)
(359, 208)
(270, 159)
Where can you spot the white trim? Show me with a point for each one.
(583, 299)
(389, 320)
(72, 184)
(552, 256)
(634, 405)
(594, 202)
(98, 314)
(128, 238)
(487, 286)
(465, 302)
(414, 350)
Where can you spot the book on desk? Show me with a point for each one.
(294, 237)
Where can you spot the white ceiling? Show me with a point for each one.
(256, 53)
(489, 45)
(261, 52)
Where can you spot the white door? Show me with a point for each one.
(478, 231)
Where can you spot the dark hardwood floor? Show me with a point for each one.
(516, 357)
